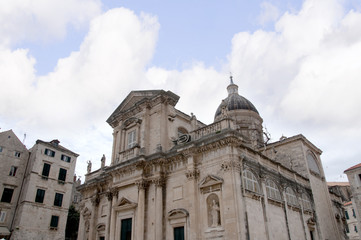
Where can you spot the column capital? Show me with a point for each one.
(142, 184)
(192, 174)
(159, 182)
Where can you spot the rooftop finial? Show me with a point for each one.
(231, 77)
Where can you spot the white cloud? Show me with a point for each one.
(32, 20)
(269, 13)
(305, 75)
(302, 77)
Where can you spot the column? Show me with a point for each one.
(93, 221)
(113, 218)
(139, 232)
(159, 183)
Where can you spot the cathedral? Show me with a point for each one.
(173, 177)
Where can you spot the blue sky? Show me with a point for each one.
(66, 65)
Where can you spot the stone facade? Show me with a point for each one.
(352, 224)
(42, 187)
(13, 157)
(173, 177)
(354, 177)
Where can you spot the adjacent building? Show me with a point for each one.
(173, 177)
(13, 158)
(352, 224)
(42, 188)
(354, 177)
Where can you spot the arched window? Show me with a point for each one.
(312, 163)
(272, 190)
(291, 197)
(306, 203)
(250, 181)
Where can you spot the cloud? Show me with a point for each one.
(33, 20)
(302, 77)
(305, 75)
(72, 102)
(269, 13)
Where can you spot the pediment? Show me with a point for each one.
(210, 180)
(135, 98)
(124, 203)
(177, 213)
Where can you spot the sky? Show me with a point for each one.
(66, 65)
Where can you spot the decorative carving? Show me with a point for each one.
(192, 174)
(95, 199)
(231, 165)
(159, 182)
(142, 184)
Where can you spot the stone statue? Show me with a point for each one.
(89, 168)
(215, 214)
(102, 161)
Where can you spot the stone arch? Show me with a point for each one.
(213, 210)
(313, 164)
(291, 196)
(250, 181)
(272, 190)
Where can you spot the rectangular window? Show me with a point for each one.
(126, 229)
(179, 233)
(40, 193)
(17, 154)
(2, 216)
(62, 174)
(65, 158)
(101, 238)
(49, 152)
(355, 228)
(353, 213)
(13, 171)
(58, 200)
(54, 221)
(1, 149)
(347, 229)
(7, 195)
(46, 170)
(132, 141)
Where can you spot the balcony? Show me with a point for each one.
(213, 128)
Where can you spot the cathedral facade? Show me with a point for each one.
(173, 177)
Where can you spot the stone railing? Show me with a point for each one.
(212, 128)
(129, 153)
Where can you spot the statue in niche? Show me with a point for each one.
(102, 160)
(214, 219)
(215, 214)
(89, 167)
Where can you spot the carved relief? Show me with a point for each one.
(192, 174)
(231, 165)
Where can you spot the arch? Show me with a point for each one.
(250, 181)
(178, 213)
(291, 197)
(272, 190)
(312, 163)
(306, 203)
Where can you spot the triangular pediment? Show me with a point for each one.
(210, 180)
(134, 99)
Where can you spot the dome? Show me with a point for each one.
(234, 101)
